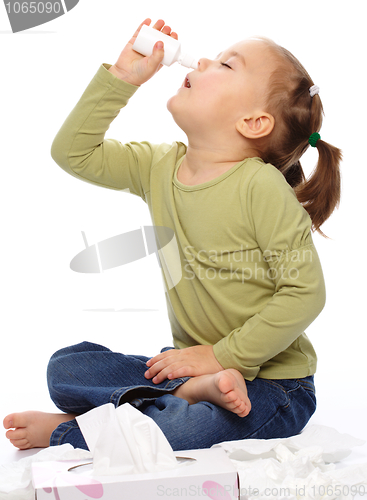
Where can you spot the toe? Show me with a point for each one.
(16, 434)
(8, 421)
(22, 444)
(226, 383)
(246, 411)
(229, 397)
(15, 420)
(242, 413)
(240, 407)
(231, 406)
(21, 419)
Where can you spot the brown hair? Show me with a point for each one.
(298, 115)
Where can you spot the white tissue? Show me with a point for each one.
(299, 467)
(125, 441)
(301, 463)
(16, 477)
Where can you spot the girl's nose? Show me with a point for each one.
(203, 63)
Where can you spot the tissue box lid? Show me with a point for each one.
(211, 470)
(202, 461)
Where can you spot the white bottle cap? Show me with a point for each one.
(188, 61)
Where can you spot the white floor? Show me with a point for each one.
(353, 422)
(344, 420)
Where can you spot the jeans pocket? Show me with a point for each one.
(295, 399)
(308, 384)
(279, 391)
(309, 390)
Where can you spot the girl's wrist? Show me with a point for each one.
(122, 76)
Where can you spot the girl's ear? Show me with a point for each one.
(257, 126)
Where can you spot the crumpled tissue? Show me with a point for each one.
(121, 441)
(300, 467)
(303, 465)
(16, 477)
(125, 441)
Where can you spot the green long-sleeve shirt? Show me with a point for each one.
(251, 278)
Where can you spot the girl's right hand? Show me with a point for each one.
(135, 68)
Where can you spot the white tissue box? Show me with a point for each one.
(206, 473)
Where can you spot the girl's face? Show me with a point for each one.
(224, 90)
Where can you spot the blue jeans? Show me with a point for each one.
(84, 376)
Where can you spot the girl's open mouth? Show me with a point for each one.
(186, 83)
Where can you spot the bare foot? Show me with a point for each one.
(226, 388)
(33, 429)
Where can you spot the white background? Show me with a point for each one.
(44, 71)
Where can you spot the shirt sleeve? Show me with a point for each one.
(80, 149)
(281, 227)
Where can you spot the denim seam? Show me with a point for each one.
(70, 427)
(159, 389)
(134, 388)
(305, 383)
(268, 421)
(274, 416)
(69, 409)
(181, 379)
(113, 394)
(279, 386)
(309, 389)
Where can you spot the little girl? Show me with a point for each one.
(242, 213)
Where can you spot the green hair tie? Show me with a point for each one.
(313, 139)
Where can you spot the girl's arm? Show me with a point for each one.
(80, 148)
(281, 227)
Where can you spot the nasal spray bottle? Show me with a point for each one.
(148, 36)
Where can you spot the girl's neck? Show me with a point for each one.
(204, 163)
(204, 158)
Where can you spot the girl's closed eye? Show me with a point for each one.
(225, 64)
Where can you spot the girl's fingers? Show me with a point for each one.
(159, 366)
(147, 22)
(154, 360)
(159, 24)
(154, 370)
(163, 374)
(160, 370)
(162, 355)
(180, 372)
(166, 30)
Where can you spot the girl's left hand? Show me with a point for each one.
(188, 362)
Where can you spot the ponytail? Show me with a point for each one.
(298, 114)
(320, 194)
(294, 175)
